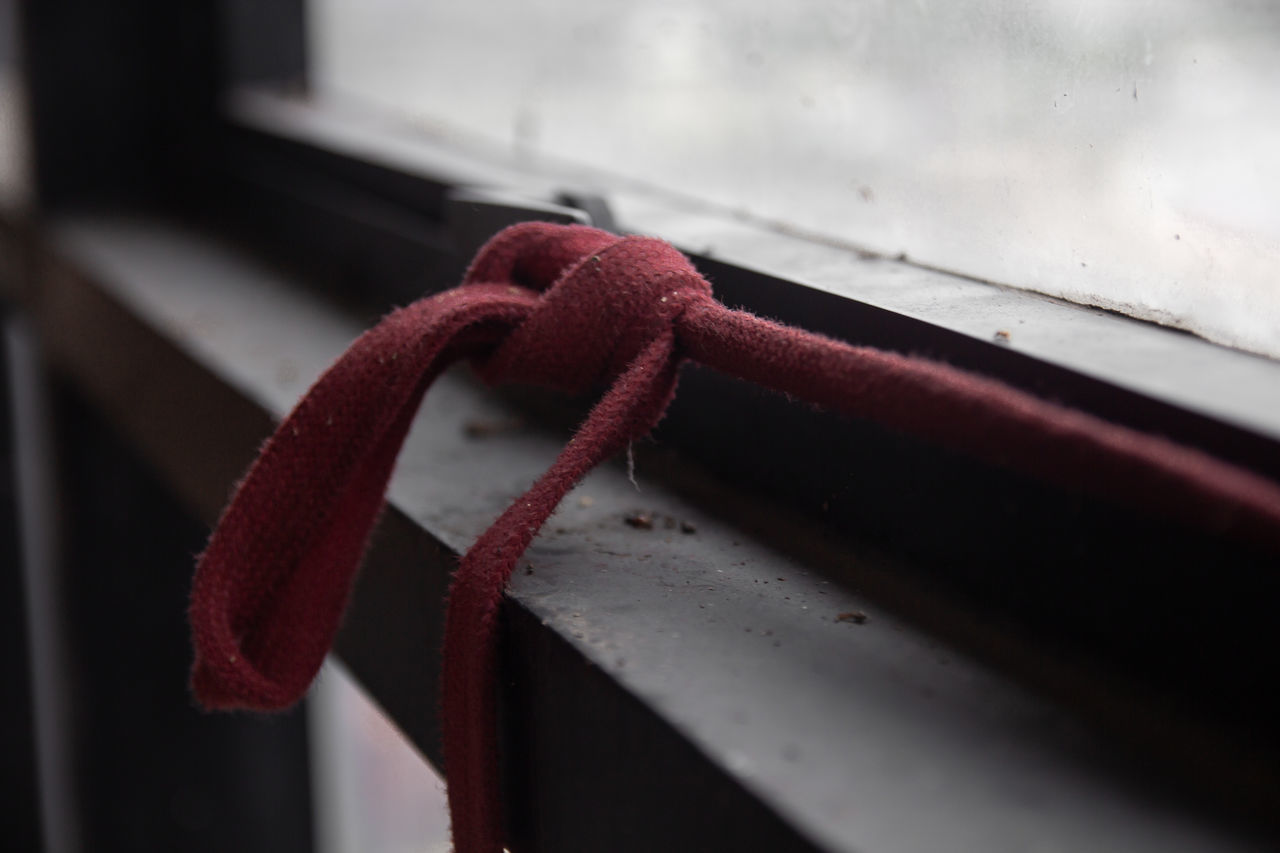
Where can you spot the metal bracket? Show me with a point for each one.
(475, 215)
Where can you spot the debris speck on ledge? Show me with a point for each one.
(855, 616)
(640, 520)
(487, 428)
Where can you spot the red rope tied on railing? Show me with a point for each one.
(570, 307)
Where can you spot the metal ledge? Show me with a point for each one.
(662, 689)
(1085, 348)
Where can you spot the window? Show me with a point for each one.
(1114, 154)
(1035, 665)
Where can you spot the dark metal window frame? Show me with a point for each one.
(364, 216)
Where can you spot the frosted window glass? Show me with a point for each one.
(1113, 152)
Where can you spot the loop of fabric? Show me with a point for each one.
(571, 307)
(271, 586)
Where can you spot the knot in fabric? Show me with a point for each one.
(601, 300)
(570, 308)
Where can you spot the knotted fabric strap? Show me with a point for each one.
(573, 308)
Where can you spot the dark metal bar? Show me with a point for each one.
(20, 824)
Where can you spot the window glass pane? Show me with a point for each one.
(1114, 152)
(13, 171)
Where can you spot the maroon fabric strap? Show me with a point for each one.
(573, 308)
